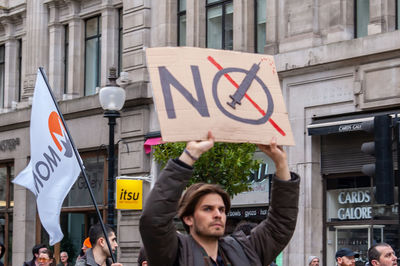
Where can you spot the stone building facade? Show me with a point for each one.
(338, 63)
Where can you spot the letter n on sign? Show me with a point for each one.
(129, 194)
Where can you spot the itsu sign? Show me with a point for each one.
(354, 205)
(235, 95)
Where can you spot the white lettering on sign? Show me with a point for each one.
(352, 127)
(355, 213)
(354, 197)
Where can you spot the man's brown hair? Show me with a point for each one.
(373, 253)
(193, 194)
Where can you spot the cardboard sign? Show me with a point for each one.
(235, 95)
(129, 194)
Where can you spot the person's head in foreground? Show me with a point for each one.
(346, 257)
(382, 254)
(98, 241)
(203, 208)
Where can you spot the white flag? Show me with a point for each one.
(53, 168)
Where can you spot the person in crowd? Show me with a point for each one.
(313, 261)
(346, 257)
(99, 254)
(245, 227)
(203, 209)
(85, 245)
(46, 258)
(142, 260)
(2, 252)
(381, 254)
(36, 250)
(64, 259)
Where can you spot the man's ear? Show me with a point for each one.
(188, 220)
(374, 262)
(101, 241)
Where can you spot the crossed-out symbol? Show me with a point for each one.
(241, 93)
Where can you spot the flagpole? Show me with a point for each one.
(80, 164)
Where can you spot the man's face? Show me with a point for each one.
(387, 257)
(113, 243)
(64, 257)
(346, 261)
(209, 218)
(315, 262)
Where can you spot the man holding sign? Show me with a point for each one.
(203, 210)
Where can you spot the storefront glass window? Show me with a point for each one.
(6, 209)
(355, 221)
(79, 193)
(256, 200)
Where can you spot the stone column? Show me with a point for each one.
(382, 16)
(11, 64)
(195, 23)
(11, 72)
(243, 26)
(36, 44)
(338, 25)
(56, 52)
(271, 27)
(24, 219)
(75, 58)
(136, 35)
(109, 41)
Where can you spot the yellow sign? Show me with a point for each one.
(129, 194)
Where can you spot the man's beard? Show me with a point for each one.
(210, 235)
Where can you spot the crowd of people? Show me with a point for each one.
(202, 209)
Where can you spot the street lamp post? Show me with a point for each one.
(112, 98)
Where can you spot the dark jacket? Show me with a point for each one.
(88, 259)
(29, 263)
(164, 246)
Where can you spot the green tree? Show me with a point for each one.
(227, 164)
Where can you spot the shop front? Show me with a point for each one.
(352, 218)
(355, 221)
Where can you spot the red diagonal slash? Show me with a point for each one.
(212, 60)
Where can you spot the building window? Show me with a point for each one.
(181, 22)
(2, 74)
(120, 28)
(66, 48)
(220, 24)
(19, 69)
(92, 54)
(6, 208)
(260, 22)
(361, 18)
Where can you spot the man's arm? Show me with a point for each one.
(156, 223)
(271, 236)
